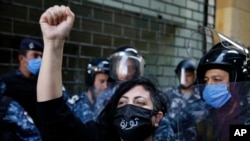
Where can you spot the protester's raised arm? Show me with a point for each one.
(56, 23)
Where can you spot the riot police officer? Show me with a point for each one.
(186, 107)
(89, 103)
(21, 82)
(126, 63)
(222, 75)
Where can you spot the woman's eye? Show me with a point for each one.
(121, 103)
(141, 103)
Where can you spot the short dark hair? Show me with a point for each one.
(22, 52)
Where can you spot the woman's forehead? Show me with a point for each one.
(137, 91)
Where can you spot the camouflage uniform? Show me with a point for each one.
(81, 107)
(184, 112)
(164, 131)
(16, 124)
(103, 99)
(65, 94)
(84, 109)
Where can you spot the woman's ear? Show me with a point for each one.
(158, 118)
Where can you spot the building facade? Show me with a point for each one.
(161, 29)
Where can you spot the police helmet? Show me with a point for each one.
(187, 65)
(222, 56)
(127, 62)
(96, 65)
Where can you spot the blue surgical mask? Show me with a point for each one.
(34, 65)
(216, 95)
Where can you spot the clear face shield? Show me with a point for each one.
(208, 37)
(183, 76)
(205, 38)
(125, 66)
(187, 77)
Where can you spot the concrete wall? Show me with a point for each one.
(233, 18)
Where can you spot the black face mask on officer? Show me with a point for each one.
(133, 122)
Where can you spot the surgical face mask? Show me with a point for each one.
(216, 95)
(133, 123)
(34, 65)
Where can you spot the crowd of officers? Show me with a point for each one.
(210, 96)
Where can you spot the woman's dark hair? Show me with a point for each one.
(158, 100)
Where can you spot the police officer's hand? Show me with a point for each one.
(56, 22)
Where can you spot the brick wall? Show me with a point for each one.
(160, 29)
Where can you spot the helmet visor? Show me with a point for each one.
(125, 66)
(209, 37)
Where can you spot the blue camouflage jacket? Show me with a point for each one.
(16, 124)
(164, 131)
(82, 107)
(184, 112)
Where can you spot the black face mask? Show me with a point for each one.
(133, 123)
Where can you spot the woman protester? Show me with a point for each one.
(132, 113)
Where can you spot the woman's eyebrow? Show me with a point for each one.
(124, 97)
(137, 97)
